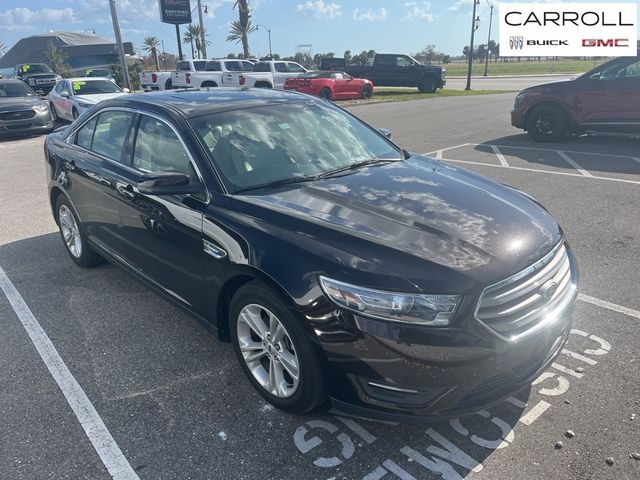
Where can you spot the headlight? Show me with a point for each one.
(518, 100)
(85, 105)
(430, 310)
(41, 107)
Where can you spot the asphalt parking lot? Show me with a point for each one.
(165, 400)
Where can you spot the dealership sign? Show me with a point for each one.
(568, 30)
(175, 11)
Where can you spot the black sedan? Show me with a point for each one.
(22, 112)
(347, 273)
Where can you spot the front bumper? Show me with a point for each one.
(37, 125)
(518, 118)
(405, 373)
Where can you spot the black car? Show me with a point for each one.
(345, 271)
(392, 70)
(22, 112)
(38, 76)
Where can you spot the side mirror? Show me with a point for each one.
(64, 94)
(167, 183)
(126, 90)
(385, 132)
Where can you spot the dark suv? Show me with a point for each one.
(606, 99)
(38, 76)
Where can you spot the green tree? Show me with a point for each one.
(57, 60)
(241, 28)
(193, 36)
(347, 57)
(134, 74)
(150, 45)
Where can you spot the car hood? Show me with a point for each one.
(551, 86)
(96, 98)
(16, 103)
(423, 220)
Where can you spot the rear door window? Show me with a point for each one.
(295, 68)
(247, 66)
(280, 67)
(112, 129)
(183, 66)
(213, 67)
(200, 65)
(233, 66)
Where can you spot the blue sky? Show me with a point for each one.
(403, 26)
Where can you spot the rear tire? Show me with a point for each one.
(168, 85)
(325, 93)
(428, 85)
(547, 123)
(73, 235)
(269, 340)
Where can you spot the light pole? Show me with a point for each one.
(486, 64)
(269, 32)
(202, 42)
(164, 55)
(120, 47)
(475, 24)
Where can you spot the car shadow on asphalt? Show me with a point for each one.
(125, 344)
(593, 153)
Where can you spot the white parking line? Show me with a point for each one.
(533, 414)
(546, 150)
(537, 170)
(609, 305)
(439, 155)
(503, 161)
(448, 148)
(573, 163)
(95, 429)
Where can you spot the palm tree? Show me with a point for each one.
(151, 45)
(193, 36)
(241, 28)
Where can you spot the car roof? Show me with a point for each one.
(85, 79)
(196, 102)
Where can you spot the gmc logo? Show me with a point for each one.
(609, 42)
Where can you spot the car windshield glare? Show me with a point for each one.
(269, 144)
(15, 89)
(94, 87)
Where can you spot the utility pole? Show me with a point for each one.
(486, 64)
(269, 32)
(179, 44)
(202, 42)
(475, 23)
(116, 31)
(164, 55)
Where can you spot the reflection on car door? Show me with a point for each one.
(94, 157)
(162, 235)
(611, 100)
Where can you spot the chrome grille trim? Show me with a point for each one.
(516, 307)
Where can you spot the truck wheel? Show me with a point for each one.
(547, 123)
(208, 85)
(263, 85)
(168, 85)
(428, 85)
(366, 91)
(325, 93)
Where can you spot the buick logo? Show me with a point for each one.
(516, 43)
(548, 290)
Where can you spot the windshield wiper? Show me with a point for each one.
(278, 183)
(355, 166)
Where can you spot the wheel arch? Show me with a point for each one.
(208, 84)
(53, 198)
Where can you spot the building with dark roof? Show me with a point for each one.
(83, 51)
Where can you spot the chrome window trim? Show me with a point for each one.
(73, 132)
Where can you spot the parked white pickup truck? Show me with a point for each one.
(153, 81)
(208, 73)
(267, 75)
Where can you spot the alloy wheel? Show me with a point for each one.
(268, 351)
(70, 231)
(546, 122)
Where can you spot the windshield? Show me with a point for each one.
(35, 68)
(15, 89)
(272, 143)
(94, 87)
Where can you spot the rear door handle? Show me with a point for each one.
(126, 191)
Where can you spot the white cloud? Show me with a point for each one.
(370, 15)
(418, 11)
(459, 4)
(320, 10)
(24, 17)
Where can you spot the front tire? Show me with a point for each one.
(547, 123)
(325, 93)
(73, 235)
(366, 92)
(274, 349)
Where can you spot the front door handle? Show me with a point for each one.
(126, 191)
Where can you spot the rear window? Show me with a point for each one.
(183, 66)
(233, 66)
(247, 66)
(262, 67)
(280, 67)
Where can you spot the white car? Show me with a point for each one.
(272, 74)
(72, 96)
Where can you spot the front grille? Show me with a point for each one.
(17, 115)
(45, 81)
(515, 306)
